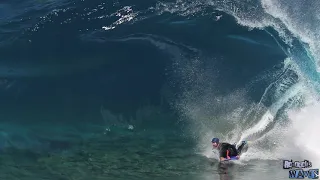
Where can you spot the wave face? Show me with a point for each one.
(231, 69)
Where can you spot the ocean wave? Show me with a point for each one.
(236, 67)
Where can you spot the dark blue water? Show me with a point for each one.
(136, 90)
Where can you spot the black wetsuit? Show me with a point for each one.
(233, 151)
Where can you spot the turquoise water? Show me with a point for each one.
(156, 154)
(137, 89)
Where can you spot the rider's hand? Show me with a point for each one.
(238, 157)
(228, 157)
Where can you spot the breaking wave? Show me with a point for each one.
(236, 69)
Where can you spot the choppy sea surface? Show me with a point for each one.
(137, 89)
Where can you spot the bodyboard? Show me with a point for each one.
(232, 158)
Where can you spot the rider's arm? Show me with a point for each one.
(228, 151)
(223, 153)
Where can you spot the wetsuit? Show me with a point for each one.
(230, 150)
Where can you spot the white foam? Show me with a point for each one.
(305, 26)
(260, 126)
(304, 132)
